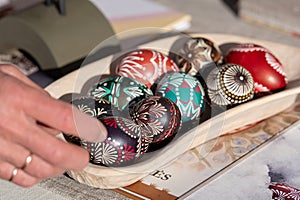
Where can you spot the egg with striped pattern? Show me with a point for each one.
(145, 65)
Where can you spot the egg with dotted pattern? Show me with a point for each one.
(230, 84)
(185, 91)
(124, 144)
(145, 65)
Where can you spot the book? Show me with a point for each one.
(201, 165)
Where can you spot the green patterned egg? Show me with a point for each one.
(186, 91)
(122, 92)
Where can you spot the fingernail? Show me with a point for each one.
(89, 128)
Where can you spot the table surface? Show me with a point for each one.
(277, 161)
(247, 179)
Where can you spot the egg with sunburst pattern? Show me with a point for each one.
(97, 108)
(193, 54)
(230, 84)
(123, 146)
(160, 117)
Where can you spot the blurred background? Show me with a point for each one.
(276, 20)
(50, 38)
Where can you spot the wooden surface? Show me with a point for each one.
(239, 116)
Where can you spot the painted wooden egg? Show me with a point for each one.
(266, 69)
(145, 65)
(95, 107)
(192, 54)
(98, 108)
(230, 84)
(122, 92)
(187, 93)
(160, 117)
(123, 146)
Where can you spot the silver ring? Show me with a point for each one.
(13, 174)
(27, 161)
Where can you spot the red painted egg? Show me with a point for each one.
(266, 69)
(160, 117)
(145, 65)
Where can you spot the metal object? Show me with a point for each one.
(61, 5)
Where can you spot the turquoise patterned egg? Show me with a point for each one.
(122, 92)
(186, 91)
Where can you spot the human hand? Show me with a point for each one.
(30, 120)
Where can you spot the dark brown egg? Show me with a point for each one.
(192, 54)
(98, 108)
(160, 117)
(95, 107)
(123, 146)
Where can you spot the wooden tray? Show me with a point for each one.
(237, 117)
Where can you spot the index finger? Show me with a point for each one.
(64, 117)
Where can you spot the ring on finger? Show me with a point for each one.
(13, 174)
(27, 161)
